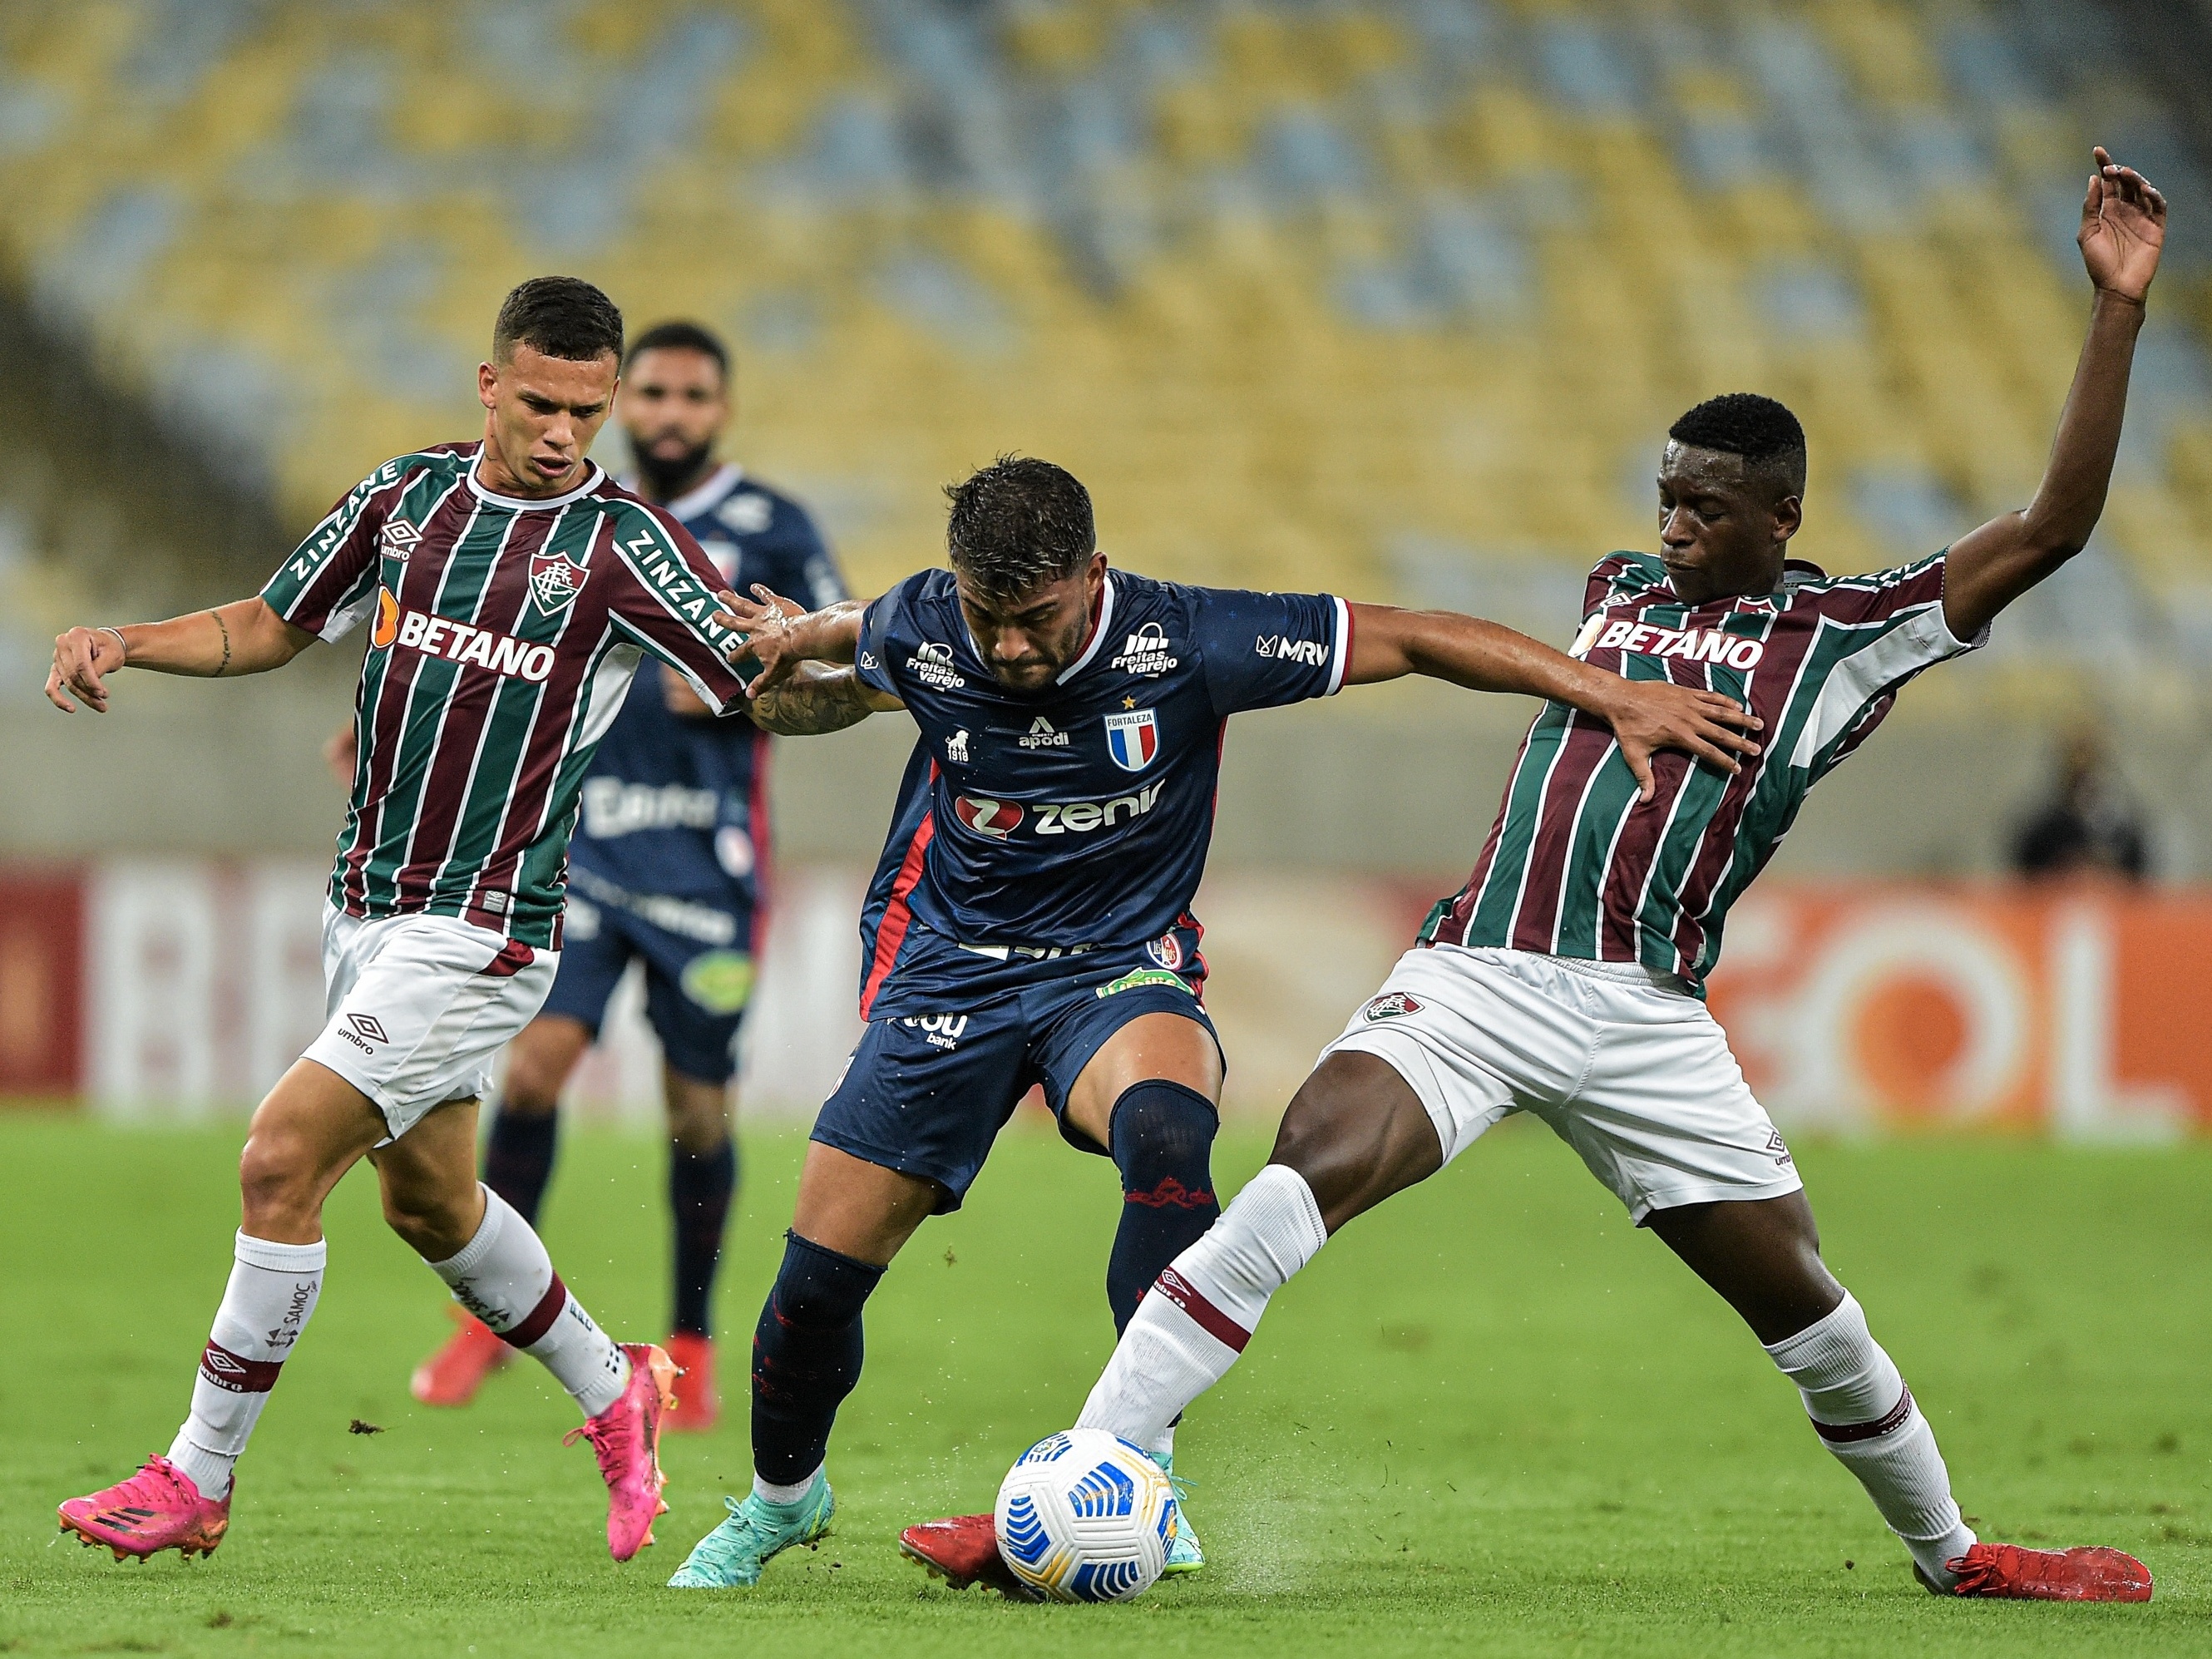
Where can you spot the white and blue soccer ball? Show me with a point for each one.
(1085, 1517)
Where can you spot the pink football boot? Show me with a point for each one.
(157, 1509)
(627, 1437)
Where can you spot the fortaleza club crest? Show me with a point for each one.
(554, 580)
(1133, 739)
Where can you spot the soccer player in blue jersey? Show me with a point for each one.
(1031, 920)
(665, 869)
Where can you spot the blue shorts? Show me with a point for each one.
(927, 1094)
(695, 992)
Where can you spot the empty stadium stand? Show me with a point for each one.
(1394, 296)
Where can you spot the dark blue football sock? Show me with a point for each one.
(700, 1188)
(519, 1159)
(1162, 1143)
(806, 1357)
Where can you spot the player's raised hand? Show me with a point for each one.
(83, 656)
(1650, 715)
(2123, 229)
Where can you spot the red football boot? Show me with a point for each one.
(963, 1550)
(451, 1376)
(2091, 1574)
(698, 1403)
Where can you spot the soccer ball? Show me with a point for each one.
(1085, 1517)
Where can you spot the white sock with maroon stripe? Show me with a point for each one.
(1196, 1320)
(504, 1277)
(1864, 1413)
(265, 1305)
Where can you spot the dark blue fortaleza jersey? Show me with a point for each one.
(1035, 830)
(672, 804)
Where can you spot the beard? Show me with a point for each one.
(666, 477)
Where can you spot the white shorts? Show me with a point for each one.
(1634, 1076)
(419, 1006)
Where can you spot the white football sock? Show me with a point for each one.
(504, 1277)
(1196, 1320)
(768, 1491)
(1866, 1416)
(265, 1305)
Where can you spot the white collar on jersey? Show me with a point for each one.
(1097, 634)
(705, 498)
(534, 504)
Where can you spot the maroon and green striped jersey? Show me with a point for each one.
(1577, 866)
(503, 635)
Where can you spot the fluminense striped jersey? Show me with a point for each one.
(1577, 866)
(505, 632)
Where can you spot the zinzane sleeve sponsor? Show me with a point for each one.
(1263, 650)
(664, 603)
(329, 584)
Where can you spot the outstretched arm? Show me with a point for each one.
(2123, 230)
(792, 695)
(1645, 715)
(244, 637)
(781, 633)
(810, 700)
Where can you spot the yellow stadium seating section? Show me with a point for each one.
(1393, 297)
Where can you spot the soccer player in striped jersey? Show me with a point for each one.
(665, 869)
(1564, 979)
(511, 589)
(1031, 920)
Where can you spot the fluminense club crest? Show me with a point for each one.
(554, 580)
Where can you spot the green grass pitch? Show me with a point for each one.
(1491, 1419)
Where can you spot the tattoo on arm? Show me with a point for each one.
(225, 627)
(812, 704)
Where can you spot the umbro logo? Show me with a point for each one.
(368, 1026)
(398, 539)
(1043, 734)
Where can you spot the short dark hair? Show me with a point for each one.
(1017, 524)
(563, 316)
(681, 335)
(1766, 434)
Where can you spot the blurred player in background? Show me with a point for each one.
(510, 588)
(1031, 921)
(1564, 978)
(665, 869)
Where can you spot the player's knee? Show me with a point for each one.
(819, 1289)
(1310, 1139)
(530, 1090)
(538, 1063)
(698, 1118)
(1158, 1126)
(276, 1179)
(435, 1225)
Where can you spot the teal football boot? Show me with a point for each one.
(1184, 1554)
(731, 1556)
